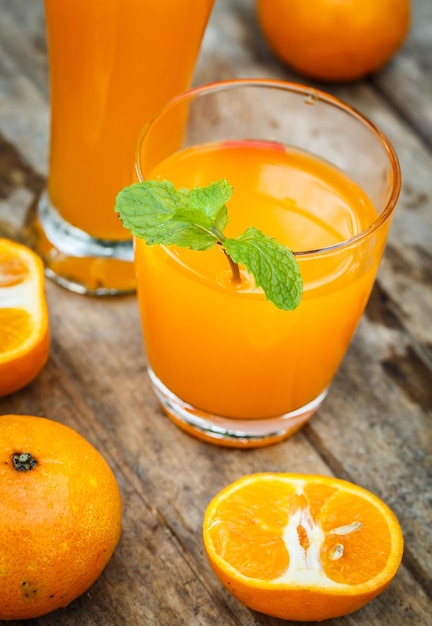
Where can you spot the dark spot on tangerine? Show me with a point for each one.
(29, 589)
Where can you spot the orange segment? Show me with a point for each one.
(364, 536)
(24, 333)
(301, 547)
(12, 269)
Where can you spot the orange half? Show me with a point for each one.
(24, 329)
(301, 547)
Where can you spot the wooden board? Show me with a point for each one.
(375, 426)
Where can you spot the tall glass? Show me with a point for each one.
(112, 64)
(226, 364)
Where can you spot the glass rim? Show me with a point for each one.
(313, 95)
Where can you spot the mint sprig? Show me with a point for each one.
(161, 214)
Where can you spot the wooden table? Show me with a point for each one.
(375, 426)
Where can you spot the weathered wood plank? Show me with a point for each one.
(407, 80)
(374, 428)
(24, 115)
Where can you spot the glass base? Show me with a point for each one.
(74, 259)
(235, 433)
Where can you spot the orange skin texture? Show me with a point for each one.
(331, 40)
(251, 545)
(296, 603)
(60, 521)
(24, 327)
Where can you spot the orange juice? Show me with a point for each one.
(222, 347)
(112, 64)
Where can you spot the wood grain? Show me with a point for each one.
(375, 426)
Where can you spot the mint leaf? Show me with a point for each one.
(161, 214)
(273, 266)
(206, 205)
(155, 211)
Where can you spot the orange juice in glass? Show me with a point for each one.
(227, 365)
(112, 64)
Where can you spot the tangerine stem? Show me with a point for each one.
(23, 461)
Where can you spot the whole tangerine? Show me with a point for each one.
(60, 515)
(331, 40)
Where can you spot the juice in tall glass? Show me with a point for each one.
(112, 64)
(226, 364)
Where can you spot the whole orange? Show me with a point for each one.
(60, 515)
(334, 40)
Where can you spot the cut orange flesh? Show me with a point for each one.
(24, 332)
(301, 547)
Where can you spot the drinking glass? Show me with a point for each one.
(226, 364)
(112, 64)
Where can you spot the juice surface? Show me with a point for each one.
(112, 64)
(225, 349)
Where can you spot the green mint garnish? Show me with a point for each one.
(161, 214)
